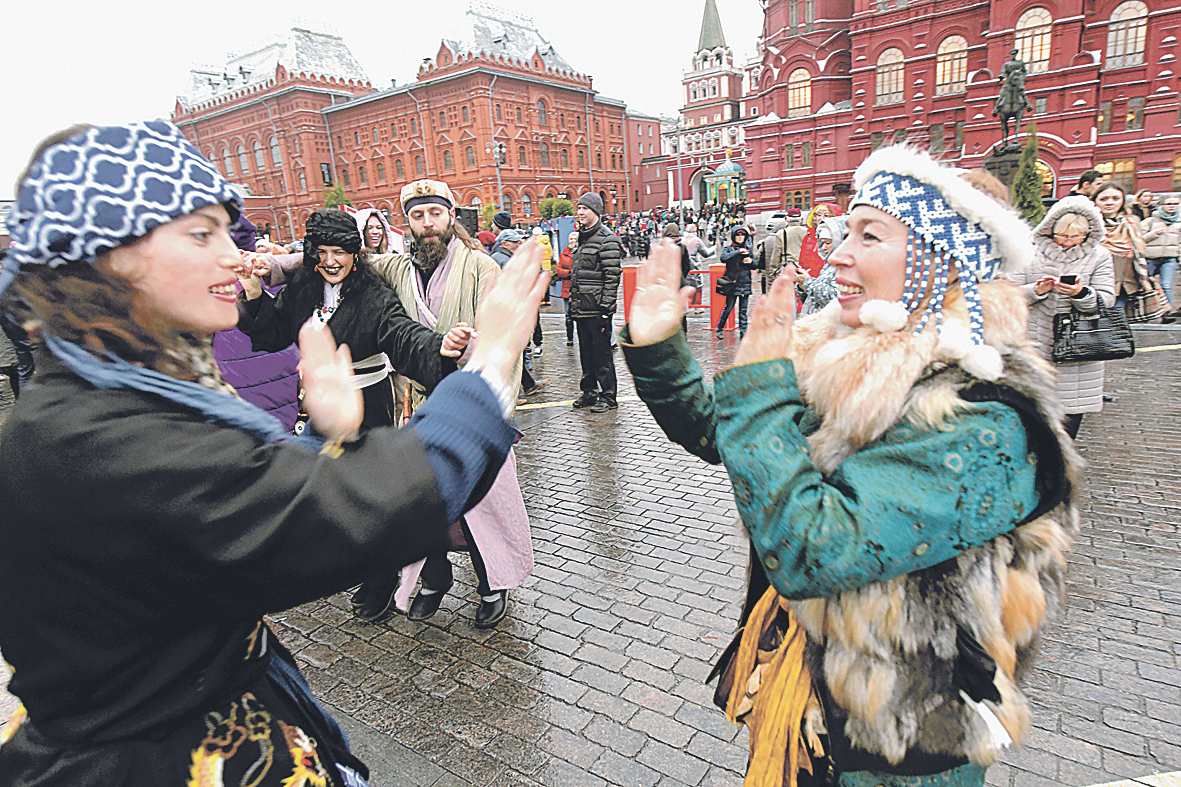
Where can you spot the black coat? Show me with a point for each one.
(594, 280)
(370, 319)
(738, 267)
(143, 545)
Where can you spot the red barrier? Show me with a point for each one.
(717, 303)
(629, 289)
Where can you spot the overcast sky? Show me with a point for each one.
(120, 60)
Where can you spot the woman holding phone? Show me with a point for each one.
(1071, 270)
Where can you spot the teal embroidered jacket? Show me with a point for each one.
(908, 501)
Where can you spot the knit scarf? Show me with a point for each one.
(217, 406)
(1165, 217)
(1121, 239)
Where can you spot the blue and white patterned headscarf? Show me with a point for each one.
(107, 187)
(950, 222)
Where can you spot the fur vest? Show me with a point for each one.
(885, 653)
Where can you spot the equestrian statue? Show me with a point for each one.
(1012, 102)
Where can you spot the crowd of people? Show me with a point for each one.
(220, 428)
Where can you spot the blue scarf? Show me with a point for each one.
(1166, 218)
(217, 407)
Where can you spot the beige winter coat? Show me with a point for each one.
(1161, 238)
(1080, 385)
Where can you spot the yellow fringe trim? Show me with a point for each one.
(780, 701)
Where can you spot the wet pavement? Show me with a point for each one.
(596, 676)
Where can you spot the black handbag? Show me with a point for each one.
(724, 285)
(1104, 336)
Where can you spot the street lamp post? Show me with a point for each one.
(680, 196)
(498, 151)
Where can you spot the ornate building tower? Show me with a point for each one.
(711, 129)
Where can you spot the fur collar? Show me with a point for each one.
(859, 381)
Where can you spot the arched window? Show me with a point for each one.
(362, 176)
(259, 162)
(276, 154)
(1047, 178)
(227, 163)
(565, 159)
(693, 92)
(713, 86)
(521, 156)
(542, 117)
(1125, 36)
(506, 203)
(581, 159)
(470, 153)
(520, 121)
(499, 116)
(799, 93)
(413, 126)
(381, 172)
(467, 116)
(399, 170)
(393, 130)
(526, 205)
(891, 70)
(303, 181)
(543, 149)
(448, 161)
(243, 166)
(418, 166)
(344, 176)
(599, 160)
(442, 119)
(475, 202)
(951, 66)
(1032, 39)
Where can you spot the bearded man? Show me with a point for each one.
(440, 283)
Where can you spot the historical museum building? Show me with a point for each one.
(299, 115)
(835, 79)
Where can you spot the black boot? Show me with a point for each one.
(379, 601)
(426, 604)
(489, 613)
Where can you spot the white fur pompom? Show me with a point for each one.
(983, 362)
(884, 316)
(955, 341)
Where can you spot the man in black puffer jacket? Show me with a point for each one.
(594, 282)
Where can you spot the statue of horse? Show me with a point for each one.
(1012, 102)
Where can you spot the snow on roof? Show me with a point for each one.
(298, 50)
(496, 31)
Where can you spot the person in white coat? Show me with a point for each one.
(1070, 270)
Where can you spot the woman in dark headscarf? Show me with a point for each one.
(335, 287)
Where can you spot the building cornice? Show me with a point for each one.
(258, 99)
(524, 77)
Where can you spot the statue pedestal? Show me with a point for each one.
(1002, 163)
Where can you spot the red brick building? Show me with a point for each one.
(837, 78)
(299, 115)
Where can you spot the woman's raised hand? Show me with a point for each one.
(326, 372)
(507, 312)
(771, 322)
(659, 302)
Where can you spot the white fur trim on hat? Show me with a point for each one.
(955, 346)
(884, 316)
(1010, 235)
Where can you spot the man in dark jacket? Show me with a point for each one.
(594, 282)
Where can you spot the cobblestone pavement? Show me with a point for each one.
(596, 677)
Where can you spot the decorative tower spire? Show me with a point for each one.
(711, 29)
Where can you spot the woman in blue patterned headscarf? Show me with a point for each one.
(151, 517)
(899, 463)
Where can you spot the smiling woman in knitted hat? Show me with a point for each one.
(152, 518)
(900, 467)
